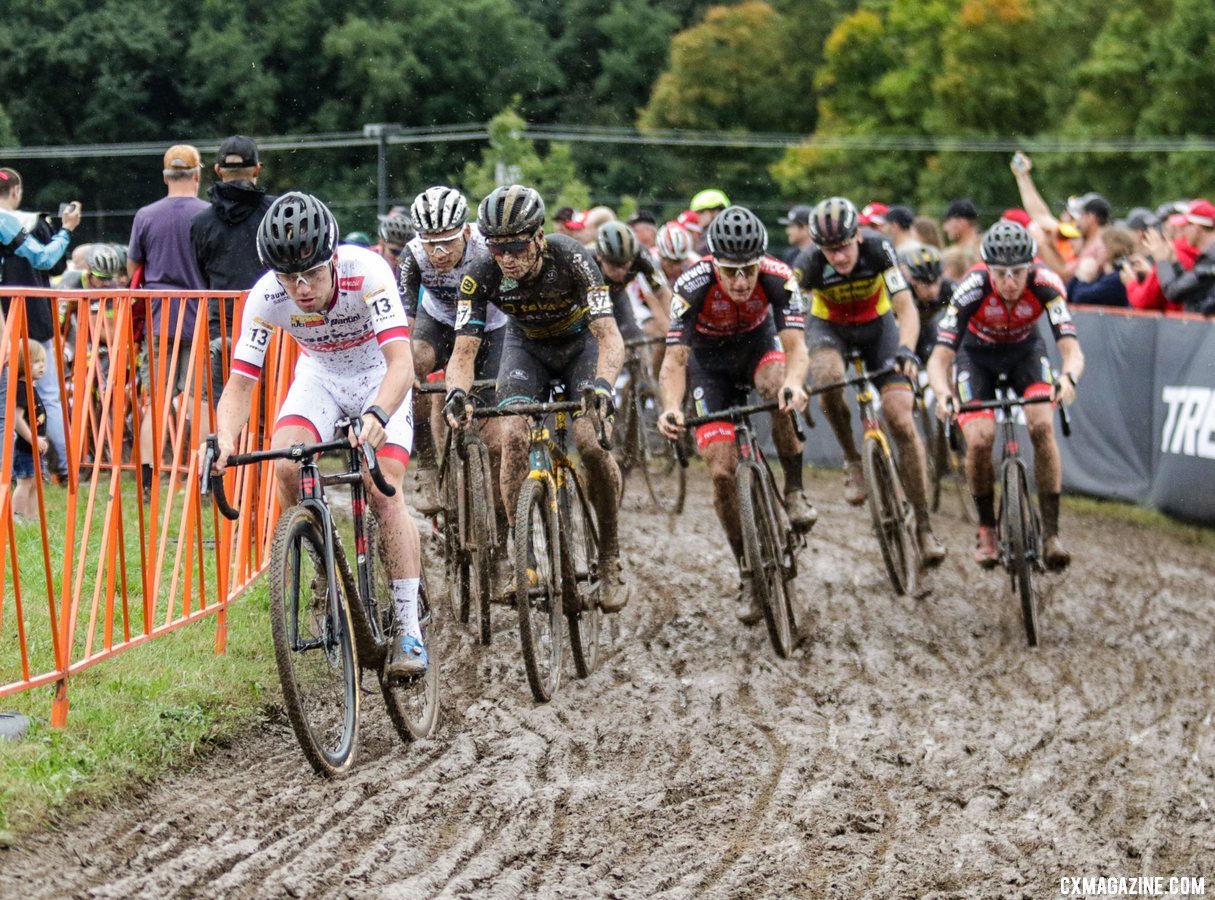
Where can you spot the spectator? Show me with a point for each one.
(961, 224)
(29, 249)
(569, 222)
(797, 230)
(1091, 213)
(957, 260)
(160, 243)
(1054, 237)
(707, 205)
(224, 238)
(29, 423)
(1098, 280)
(595, 216)
(927, 231)
(1195, 289)
(900, 221)
(871, 218)
(358, 238)
(645, 226)
(1139, 273)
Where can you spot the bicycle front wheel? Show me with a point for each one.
(413, 705)
(762, 546)
(890, 519)
(1021, 539)
(580, 574)
(482, 532)
(313, 648)
(665, 478)
(538, 595)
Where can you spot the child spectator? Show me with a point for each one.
(29, 427)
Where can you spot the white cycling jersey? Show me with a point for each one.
(342, 342)
(341, 367)
(440, 291)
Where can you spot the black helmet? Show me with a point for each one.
(617, 243)
(1008, 244)
(833, 222)
(439, 209)
(106, 261)
(513, 209)
(737, 235)
(923, 262)
(396, 229)
(297, 234)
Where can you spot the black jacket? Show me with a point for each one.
(16, 271)
(224, 238)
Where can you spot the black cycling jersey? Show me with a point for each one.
(930, 315)
(565, 296)
(622, 307)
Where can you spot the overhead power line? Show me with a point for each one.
(662, 137)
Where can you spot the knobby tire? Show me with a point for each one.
(889, 517)
(762, 548)
(539, 603)
(1021, 539)
(580, 575)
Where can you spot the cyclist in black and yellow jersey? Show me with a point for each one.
(857, 290)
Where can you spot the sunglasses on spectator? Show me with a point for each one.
(731, 272)
(1006, 272)
(510, 248)
(312, 277)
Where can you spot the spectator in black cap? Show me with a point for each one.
(645, 226)
(797, 230)
(898, 226)
(961, 223)
(224, 237)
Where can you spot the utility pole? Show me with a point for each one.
(382, 131)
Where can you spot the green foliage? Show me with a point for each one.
(513, 156)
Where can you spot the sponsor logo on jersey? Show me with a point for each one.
(372, 296)
(1189, 424)
(508, 284)
(679, 307)
(698, 393)
(463, 313)
(309, 320)
(1056, 311)
(353, 283)
(468, 284)
(262, 323)
(1024, 309)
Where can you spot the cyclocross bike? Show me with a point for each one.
(556, 545)
(946, 462)
(327, 624)
(770, 543)
(469, 526)
(893, 517)
(639, 443)
(1018, 527)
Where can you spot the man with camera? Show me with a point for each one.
(29, 249)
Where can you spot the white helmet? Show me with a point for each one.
(439, 209)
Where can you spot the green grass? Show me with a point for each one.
(135, 715)
(1143, 516)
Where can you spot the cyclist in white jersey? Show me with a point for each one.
(342, 307)
(432, 267)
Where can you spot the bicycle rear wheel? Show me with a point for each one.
(482, 535)
(313, 648)
(1021, 539)
(954, 471)
(890, 517)
(665, 478)
(580, 575)
(762, 547)
(537, 590)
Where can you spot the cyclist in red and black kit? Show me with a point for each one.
(858, 289)
(737, 322)
(990, 327)
(560, 326)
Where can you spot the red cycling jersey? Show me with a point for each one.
(977, 308)
(702, 312)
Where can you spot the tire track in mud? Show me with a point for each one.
(904, 742)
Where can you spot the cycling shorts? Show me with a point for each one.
(878, 341)
(529, 367)
(442, 338)
(316, 400)
(724, 375)
(978, 365)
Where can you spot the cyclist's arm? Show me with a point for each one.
(673, 377)
(940, 370)
(1072, 357)
(797, 365)
(611, 348)
(461, 366)
(908, 317)
(231, 414)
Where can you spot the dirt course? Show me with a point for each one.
(913, 747)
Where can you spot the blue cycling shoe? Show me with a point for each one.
(408, 659)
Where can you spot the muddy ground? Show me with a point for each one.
(913, 747)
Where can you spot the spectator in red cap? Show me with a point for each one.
(570, 222)
(1020, 216)
(1195, 289)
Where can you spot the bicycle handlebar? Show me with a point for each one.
(440, 387)
(737, 414)
(540, 410)
(849, 382)
(208, 483)
(633, 343)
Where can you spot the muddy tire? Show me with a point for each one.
(891, 522)
(665, 478)
(580, 575)
(537, 588)
(313, 646)
(413, 705)
(762, 549)
(1021, 538)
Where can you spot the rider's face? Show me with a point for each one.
(516, 255)
(310, 290)
(1009, 281)
(738, 280)
(446, 249)
(843, 257)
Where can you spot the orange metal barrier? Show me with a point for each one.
(113, 572)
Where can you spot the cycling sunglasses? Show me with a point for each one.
(510, 248)
(1008, 271)
(731, 272)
